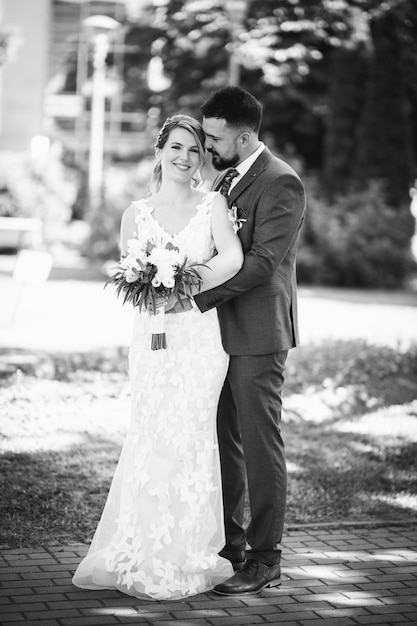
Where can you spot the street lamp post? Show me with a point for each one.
(237, 10)
(100, 27)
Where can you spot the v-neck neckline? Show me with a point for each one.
(184, 228)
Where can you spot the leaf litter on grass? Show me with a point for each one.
(349, 423)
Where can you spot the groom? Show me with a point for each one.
(258, 317)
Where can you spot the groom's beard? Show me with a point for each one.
(220, 163)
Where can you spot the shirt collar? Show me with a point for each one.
(244, 167)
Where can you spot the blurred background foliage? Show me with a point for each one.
(338, 81)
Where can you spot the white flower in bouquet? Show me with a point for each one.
(165, 256)
(169, 283)
(130, 262)
(165, 274)
(136, 248)
(130, 276)
(130, 267)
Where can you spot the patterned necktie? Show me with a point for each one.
(227, 181)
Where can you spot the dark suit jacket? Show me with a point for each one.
(257, 308)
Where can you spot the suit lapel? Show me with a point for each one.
(251, 175)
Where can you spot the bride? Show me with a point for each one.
(162, 526)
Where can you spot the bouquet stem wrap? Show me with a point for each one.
(158, 340)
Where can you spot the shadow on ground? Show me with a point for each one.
(349, 423)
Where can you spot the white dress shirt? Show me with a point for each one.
(244, 167)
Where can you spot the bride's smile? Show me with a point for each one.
(182, 166)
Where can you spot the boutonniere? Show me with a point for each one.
(237, 221)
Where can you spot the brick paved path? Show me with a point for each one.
(331, 577)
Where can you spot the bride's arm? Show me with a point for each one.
(127, 229)
(229, 258)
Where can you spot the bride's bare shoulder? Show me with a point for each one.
(128, 218)
(199, 195)
(129, 211)
(214, 198)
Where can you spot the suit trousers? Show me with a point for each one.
(252, 455)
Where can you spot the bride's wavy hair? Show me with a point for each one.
(176, 121)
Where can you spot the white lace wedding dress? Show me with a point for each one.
(162, 525)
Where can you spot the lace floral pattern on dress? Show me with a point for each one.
(162, 526)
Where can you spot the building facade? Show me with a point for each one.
(45, 88)
(24, 77)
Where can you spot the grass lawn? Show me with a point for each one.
(350, 426)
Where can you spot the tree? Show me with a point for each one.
(384, 146)
(320, 68)
(348, 77)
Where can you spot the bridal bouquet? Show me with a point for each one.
(150, 273)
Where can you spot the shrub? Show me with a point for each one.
(124, 183)
(357, 241)
(27, 190)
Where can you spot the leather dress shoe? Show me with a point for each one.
(252, 578)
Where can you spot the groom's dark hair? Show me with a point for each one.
(235, 105)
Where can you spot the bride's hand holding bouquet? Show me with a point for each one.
(157, 277)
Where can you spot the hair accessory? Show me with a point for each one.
(161, 131)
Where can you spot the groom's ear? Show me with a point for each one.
(244, 139)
